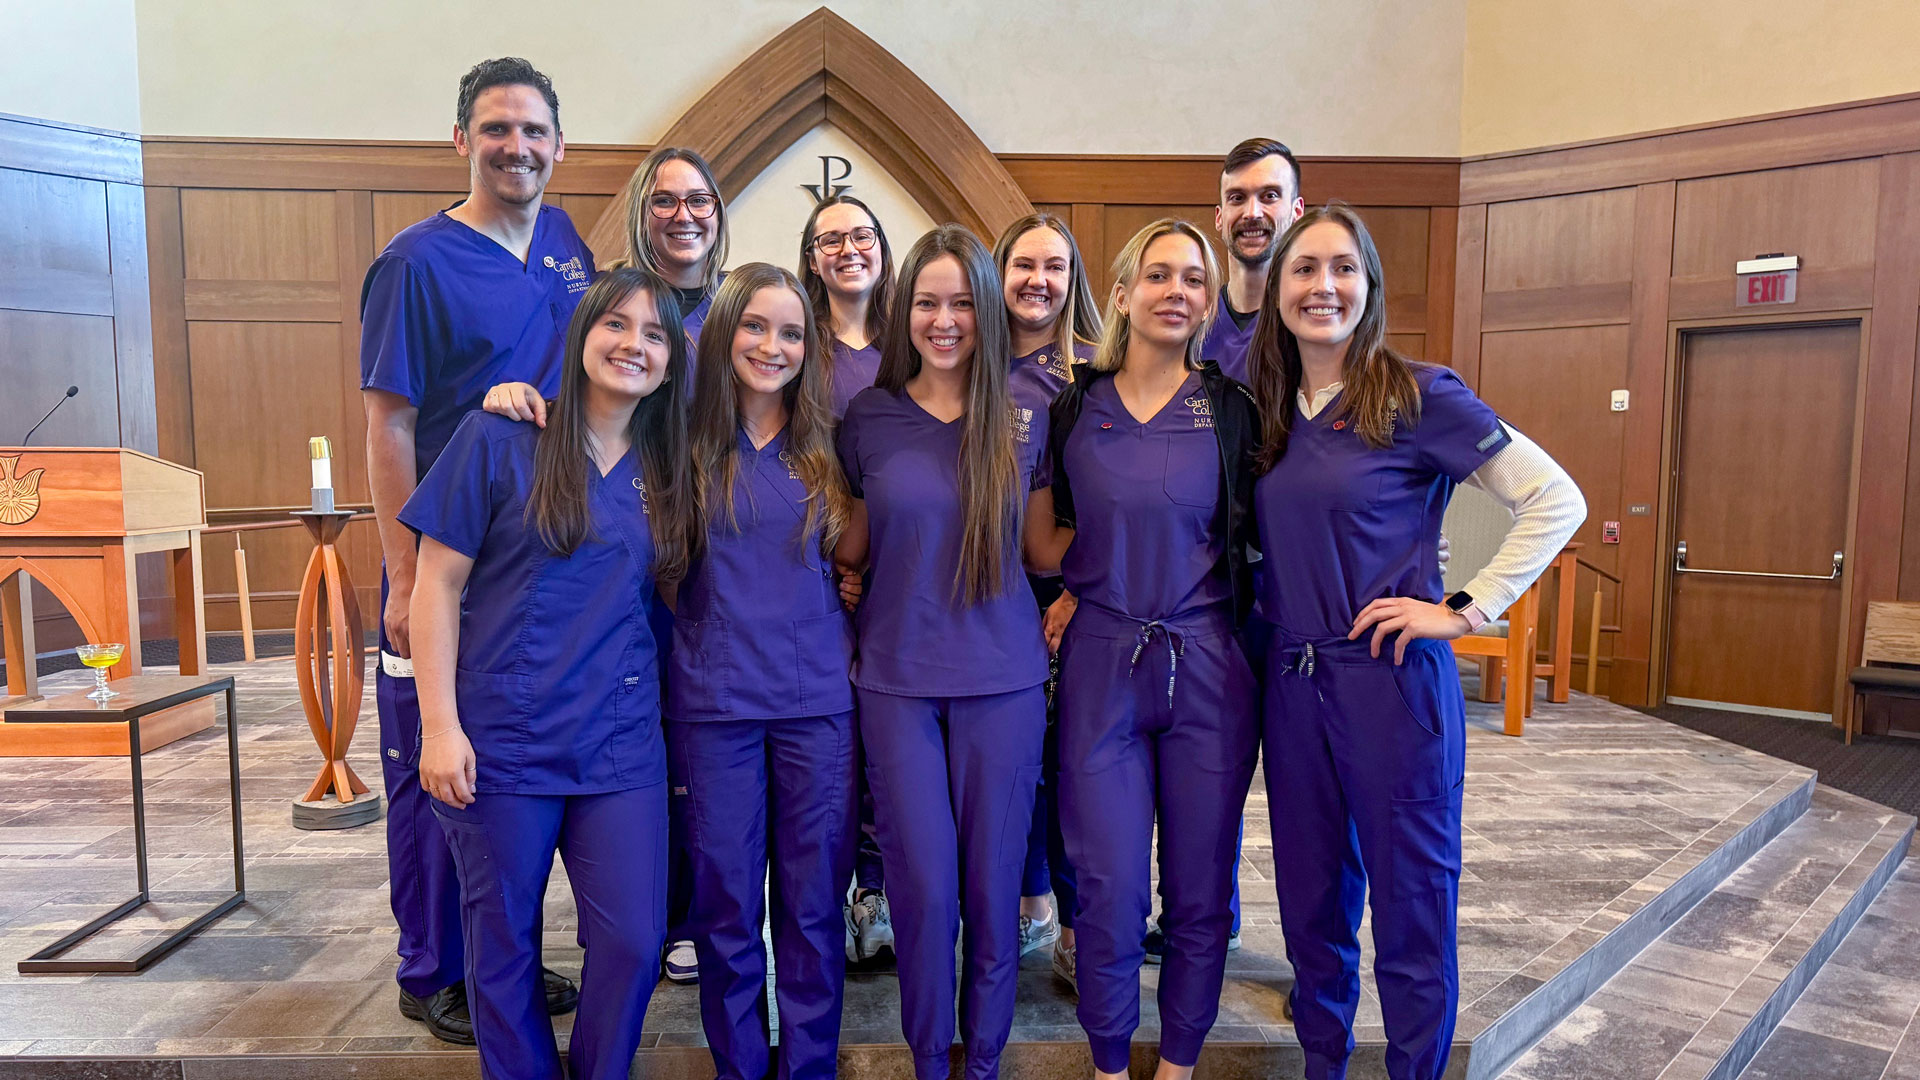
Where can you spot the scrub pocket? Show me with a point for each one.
(702, 664)
(1190, 482)
(1018, 825)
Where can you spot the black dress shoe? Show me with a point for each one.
(444, 1013)
(562, 995)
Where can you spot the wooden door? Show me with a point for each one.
(1762, 474)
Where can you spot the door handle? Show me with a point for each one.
(1680, 567)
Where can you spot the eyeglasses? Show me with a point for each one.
(665, 204)
(831, 243)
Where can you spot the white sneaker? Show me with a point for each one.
(1065, 967)
(683, 964)
(869, 927)
(1039, 933)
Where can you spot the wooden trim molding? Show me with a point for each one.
(1158, 180)
(46, 146)
(1805, 137)
(822, 69)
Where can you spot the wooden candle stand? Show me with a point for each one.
(332, 678)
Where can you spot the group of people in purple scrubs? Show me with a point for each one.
(1100, 564)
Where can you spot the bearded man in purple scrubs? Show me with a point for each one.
(478, 294)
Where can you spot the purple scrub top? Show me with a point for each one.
(1226, 343)
(916, 639)
(1034, 380)
(446, 313)
(557, 679)
(760, 633)
(1148, 538)
(853, 371)
(1344, 524)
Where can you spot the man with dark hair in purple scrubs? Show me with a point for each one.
(478, 294)
(1259, 198)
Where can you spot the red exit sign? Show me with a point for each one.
(1768, 279)
(1774, 288)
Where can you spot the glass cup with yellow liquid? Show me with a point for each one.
(100, 658)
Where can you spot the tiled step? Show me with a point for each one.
(1698, 1002)
(1855, 1020)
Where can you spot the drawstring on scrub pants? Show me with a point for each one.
(1303, 665)
(1176, 648)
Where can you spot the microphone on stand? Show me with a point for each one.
(71, 392)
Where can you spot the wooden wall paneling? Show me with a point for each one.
(1412, 346)
(1118, 225)
(1802, 137)
(1569, 240)
(132, 320)
(327, 165)
(1089, 224)
(584, 210)
(1443, 226)
(1400, 232)
(1152, 178)
(356, 235)
(1554, 384)
(1642, 555)
(53, 244)
(1469, 281)
(166, 286)
(41, 354)
(1887, 528)
(259, 235)
(44, 146)
(395, 210)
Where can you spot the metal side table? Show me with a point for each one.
(139, 696)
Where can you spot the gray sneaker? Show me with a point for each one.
(1039, 933)
(1065, 967)
(869, 928)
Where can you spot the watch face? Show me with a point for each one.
(1459, 601)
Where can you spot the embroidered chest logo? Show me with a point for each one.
(786, 458)
(1054, 364)
(640, 486)
(1022, 424)
(573, 271)
(19, 498)
(1202, 410)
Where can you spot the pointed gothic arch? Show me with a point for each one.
(823, 70)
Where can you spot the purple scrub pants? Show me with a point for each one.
(1156, 720)
(1365, 762)
(953, 782)
(763, 792)
(425, 892)
(614, 846)
(1047, 867)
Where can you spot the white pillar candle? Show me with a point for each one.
(321, 453)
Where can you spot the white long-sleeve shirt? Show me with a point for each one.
(1545, 503)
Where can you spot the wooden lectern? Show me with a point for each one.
(72, 519)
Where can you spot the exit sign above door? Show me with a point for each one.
(1769, 279)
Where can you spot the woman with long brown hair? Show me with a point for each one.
(949, 490)
(759, 709)
(1363, 719)
(1153, 469)
(847, 265)
(539, 675)
(1053, 326)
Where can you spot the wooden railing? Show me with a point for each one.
(1594, 629)
(240, 553)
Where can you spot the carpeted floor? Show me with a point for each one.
(1883, 768)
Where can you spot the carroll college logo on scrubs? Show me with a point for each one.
(1023, 424)
(786, 458)
(573, 270)
(1055, 366)
(1202, 410)
(640, 486)
(19, 498)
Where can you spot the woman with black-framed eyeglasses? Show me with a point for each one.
(677, 227)
(847, 266)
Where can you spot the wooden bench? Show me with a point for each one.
(1889, 657)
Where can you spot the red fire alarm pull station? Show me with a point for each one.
(1768, 279)
(1609, 532)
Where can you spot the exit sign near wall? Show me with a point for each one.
(1770, 279)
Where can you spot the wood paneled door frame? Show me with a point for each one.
(1678, 333)
(823, 70)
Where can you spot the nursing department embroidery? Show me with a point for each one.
(1055, 365)
(1022, 424)
(574, 270)
(1202, 410)
(640, 486)
(786, 458)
